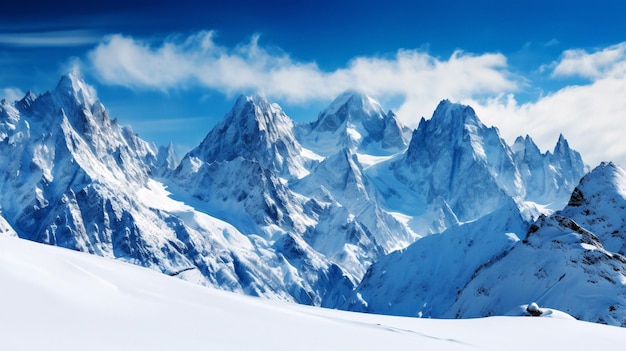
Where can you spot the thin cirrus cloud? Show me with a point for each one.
(11, 94)
(416, 77)
(64, 38)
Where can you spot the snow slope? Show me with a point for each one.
(56, 299)
(599, 204)
(424, 279)
(564, 267)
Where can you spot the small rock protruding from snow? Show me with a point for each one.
(534, 310)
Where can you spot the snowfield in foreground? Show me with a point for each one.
(57, 299)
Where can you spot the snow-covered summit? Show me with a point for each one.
(598, 203)
(562, 146)
(166, 160)
(356, 103)
(355, 121)
(526, 149)
(28, 99)
(452, 126)
(455, 116)
(258, 130)
(549, 177)
(458, 169)
(65, 164)
(446, 155)
(568, 163)
(73, 90)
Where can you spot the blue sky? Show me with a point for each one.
(173, 69)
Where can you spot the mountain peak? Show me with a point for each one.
(598, 204)
(562, 146)
(355, 100)
(455, 114)
(607, 175)
(526, 148)
(448, 126)
(254, 129)
(166, 158)
(255, 99)
(258, 108)
(28, 99)
(73, 89)
(357, 121)
(30, 96)
(566, 159)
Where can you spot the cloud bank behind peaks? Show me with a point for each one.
(590, 115)
(416, 77)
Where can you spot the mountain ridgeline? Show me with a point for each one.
(351, 211)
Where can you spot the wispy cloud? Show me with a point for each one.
(421, 79)
(11, 94)
(65, 38)
(163, 125)
(602, 63)
(551, 42)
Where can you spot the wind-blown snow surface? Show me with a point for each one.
(56, 299)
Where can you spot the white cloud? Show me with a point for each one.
(419, 78)
(610, 61)
(590, 116)
(11, 94)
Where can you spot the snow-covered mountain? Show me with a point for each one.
(458, 169)
(570, 261)
(548, 177)
(598, 204)
(356, 122)
(74, 178)
(255, 129)
(62, 157)
(453, 156)
(308, 212)
(246, 185)
(424, 279)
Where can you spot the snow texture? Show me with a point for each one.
(74, 301)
